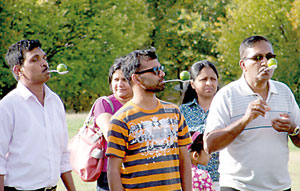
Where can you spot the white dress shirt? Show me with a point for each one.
(33, 139)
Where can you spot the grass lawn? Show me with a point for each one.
(294, 167)
(75, 122)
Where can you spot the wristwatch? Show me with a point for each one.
(296, 131)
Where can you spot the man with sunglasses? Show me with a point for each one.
(250, 121)
(148, 137)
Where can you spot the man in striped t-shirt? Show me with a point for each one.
(148, 137)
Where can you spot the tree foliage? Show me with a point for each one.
(294, 18)
(185, 33)
(86, 35)
(259, 17)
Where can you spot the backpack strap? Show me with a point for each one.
(91, 113)
(110, 103)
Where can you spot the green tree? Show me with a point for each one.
(185, 33)
(259, 17)
(294, 17)
(86, 35)
(6, 79)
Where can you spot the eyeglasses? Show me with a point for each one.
(155, 70)
(260, 57)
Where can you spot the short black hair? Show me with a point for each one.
(249, 42)
(132, 61)
(15, 53)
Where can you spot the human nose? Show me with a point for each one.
(45, 63)
(209, 82)
(120, 83)
(264, 60)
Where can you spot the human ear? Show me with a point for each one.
(195, 155)
(136, 78)
(192, 84)
(17, 70)
(242, 65)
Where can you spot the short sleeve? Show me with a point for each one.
(117, 139)
(102, 106)
(184, 137)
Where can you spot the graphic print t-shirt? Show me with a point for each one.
(148, 141)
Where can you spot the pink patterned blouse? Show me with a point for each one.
(201, 180)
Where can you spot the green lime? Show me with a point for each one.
(185, 75)
(272, 62)
(61, 68)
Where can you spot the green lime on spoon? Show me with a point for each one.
(184, 77)
(272, 64)
(60, 69)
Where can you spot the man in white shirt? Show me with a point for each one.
(250, 121)
(33, 129)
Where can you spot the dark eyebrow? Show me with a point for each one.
(257, 55)
(34, 56)
(37, 55)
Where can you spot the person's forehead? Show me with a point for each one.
(118, 73)
(261, 47)
(28, 54)
(207, 71)
(149, 63)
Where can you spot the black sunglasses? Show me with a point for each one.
(155, 70)
(260, 57)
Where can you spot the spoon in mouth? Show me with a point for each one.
(273, 67)
(176, 80)
(64, 72)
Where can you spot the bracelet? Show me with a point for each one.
(295, 132)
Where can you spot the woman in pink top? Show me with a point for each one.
(121, 94)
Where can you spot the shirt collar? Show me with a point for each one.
(194, 102)
(246, 90)
(26, 93)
